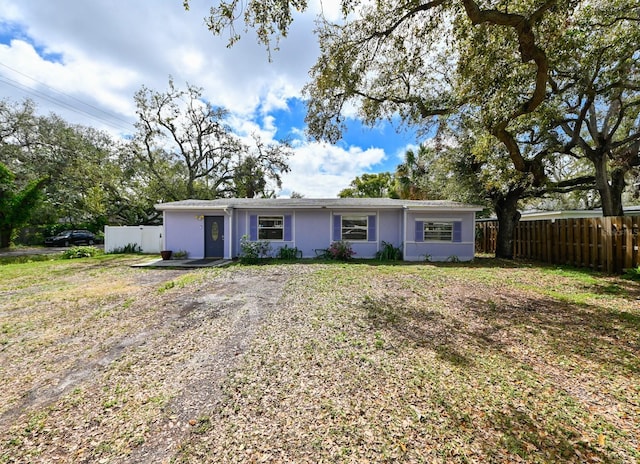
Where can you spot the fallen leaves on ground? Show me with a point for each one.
(324, 363)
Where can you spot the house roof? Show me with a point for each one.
(314, 203)
(567, 214)
(573, 214)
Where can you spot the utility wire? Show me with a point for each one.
(93, 112)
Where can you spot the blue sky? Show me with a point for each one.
(85, 60)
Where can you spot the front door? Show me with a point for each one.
(213, 236)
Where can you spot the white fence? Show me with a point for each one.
(148, 238)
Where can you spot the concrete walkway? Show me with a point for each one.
(184, 263)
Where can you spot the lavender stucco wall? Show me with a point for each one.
(184, 230)
(440, 251)
(391, 227)
(312, 230)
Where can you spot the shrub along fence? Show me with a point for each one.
(608, 244)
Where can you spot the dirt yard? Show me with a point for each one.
(316, 363)
(101, 339)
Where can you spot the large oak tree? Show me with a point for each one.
(424, 62)
(189, 151)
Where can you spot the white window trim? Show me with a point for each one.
(439, 219)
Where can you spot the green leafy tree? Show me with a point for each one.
(249, 179)
(91, 179)
(16, 205)
(595, 79)
(259, 171)
(87, 180)
(425, 63)
(189, 151)
(419, 176)
(18, 130)
(185, 143)
(378, 185)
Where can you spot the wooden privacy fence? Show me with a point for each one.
(608, 244)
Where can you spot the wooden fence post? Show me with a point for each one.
(607, 245)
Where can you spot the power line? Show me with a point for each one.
(93, 111)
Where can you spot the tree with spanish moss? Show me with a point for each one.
(189, 150)
(422, 64)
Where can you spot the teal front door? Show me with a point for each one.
(214, 236)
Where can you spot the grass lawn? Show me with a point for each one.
(317, 362)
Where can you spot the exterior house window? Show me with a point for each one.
(270, 227)
(438, 231)
(354, 228)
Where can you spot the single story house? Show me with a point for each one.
(439, 230)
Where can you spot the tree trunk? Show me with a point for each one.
(610, 192)
(5, 236)
(506, 208)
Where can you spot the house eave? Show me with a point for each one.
(315, 204)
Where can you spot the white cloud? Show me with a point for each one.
(320, 170)
(145, 41)
(63, 87)
(401, 152)
(103, 53)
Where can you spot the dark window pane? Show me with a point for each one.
(354, 228)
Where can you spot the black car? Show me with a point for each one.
(72, 237)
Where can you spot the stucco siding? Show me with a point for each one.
(184, 230)
(420, 228)
(462, 247)
(312, 230)
(390, 229)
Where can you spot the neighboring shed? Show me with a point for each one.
(439, 230)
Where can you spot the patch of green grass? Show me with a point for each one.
(632, 274)
(583, 276)
(202, 425)
(166, 286)
(185, 280)
(25, 259)
(36, 422)
(81, 252)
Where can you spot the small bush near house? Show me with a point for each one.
(180, 254)
(129, 248)
(633, 274)
(389, 252)
(341, 250)
(80, 252)
(289, 253)
(252, 252)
